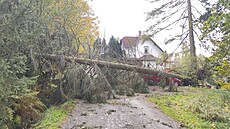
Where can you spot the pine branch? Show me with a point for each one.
(165, 27)
(197, 10)
(182, 15)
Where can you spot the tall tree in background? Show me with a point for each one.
(100, 47)
(76, 17)
(115, 50)
(183, 66)
(191, 39)
(172, 15)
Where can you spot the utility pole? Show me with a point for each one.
(192, 42)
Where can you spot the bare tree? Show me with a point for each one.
(172, 15)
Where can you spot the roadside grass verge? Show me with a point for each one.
(196, 108)
(54, 116)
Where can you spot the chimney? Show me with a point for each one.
(139, 33)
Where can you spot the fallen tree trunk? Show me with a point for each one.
(113, 65)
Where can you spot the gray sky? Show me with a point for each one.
(126, 17)
(121, 17)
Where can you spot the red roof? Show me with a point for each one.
(129, 41)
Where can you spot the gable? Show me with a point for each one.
(128, 42)
(150, 43)
(145, 38)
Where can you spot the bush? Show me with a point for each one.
(28, 109)
(124, 90)
(120, 89)
(19, 106)
(78, 84)
(141, 87)
(226, 86)
(150, 83)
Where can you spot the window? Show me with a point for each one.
(134, 49)
(148, 65)
(146, 48)
(134, 52)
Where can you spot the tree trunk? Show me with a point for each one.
(113, 65)
(192, 43)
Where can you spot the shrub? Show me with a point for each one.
(226, 86)
(124, 90)
(141, 87)
(19, 105)
(121, 89)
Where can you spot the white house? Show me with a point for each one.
(141, 48)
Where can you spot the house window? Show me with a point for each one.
(148, 65)
(146, 48)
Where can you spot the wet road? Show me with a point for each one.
(125, 113)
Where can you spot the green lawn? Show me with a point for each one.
(196, 108)
(54, 116)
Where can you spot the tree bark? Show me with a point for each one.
(191, 36)
(113, 65)
(192, 42)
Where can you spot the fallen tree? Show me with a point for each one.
(113, 65)
(92, 80)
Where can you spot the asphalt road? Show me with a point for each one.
(124, 113)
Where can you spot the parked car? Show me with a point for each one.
(155, 79)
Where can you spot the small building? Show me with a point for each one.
(142, 49)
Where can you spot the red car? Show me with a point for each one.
(158, 79)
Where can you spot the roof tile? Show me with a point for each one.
(127, 42)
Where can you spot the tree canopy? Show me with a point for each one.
(76, 17)
(29, 27)
(216, 30)
(115, 48)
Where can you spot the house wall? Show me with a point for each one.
(153, 49)
(130, 52)
(152, 65)
(139, 51)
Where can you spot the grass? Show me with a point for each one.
(54, 116)
(196, 108)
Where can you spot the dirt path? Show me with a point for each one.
(125, 113)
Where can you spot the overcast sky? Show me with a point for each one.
(121, 17)
(125, 18)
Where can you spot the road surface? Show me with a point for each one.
(124, 113)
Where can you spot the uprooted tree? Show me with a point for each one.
(113, 73)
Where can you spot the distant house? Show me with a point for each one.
(143, 49)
